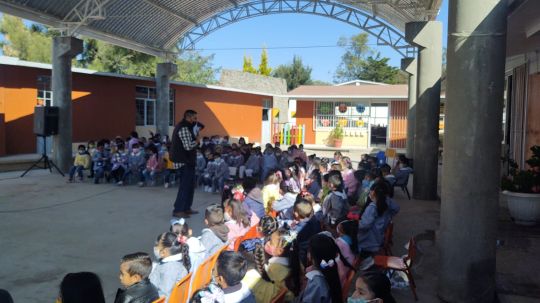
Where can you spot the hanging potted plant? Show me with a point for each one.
(336, 136)
(522, 190)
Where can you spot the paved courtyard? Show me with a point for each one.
(49, 228)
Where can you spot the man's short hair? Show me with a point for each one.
(232, 266)
(189, 113)
(138, 263)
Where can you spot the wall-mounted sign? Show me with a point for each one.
(360, 108)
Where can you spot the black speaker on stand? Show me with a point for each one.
(45, 124)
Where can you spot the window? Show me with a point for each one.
(352, 115)
(44, 92)
(145, 104)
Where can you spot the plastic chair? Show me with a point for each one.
(203, 274)
(280, 297)
(347, 285)
(402, 183)
(252, 233)
(403, 264)
(160, 300)
(180, 291)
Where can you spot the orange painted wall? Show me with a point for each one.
(222, 112)
(104, 107)
(398, 124)
(304, 115)
(533, 111)
(2, 135)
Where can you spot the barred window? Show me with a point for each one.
(353, 115)
(145, 103)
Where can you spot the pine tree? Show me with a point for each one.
(264, 69)
(248, 65)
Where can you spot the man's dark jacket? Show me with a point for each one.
(179, 154)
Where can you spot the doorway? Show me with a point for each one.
(266, 129)
(378, 122)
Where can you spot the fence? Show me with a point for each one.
(288, 133)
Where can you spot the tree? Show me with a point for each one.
(295, 74)
(264, 69)
(360, 62)
(27, 44)
(194, 68)
(248, 65)
(33, 43)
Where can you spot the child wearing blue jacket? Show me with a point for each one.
(375, 218)
(136, 163)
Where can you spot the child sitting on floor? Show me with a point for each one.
(197, 252)
(230, 269)
(134, 271)
(335, 205)
(99, 160)
(221, 173)
(153, 166)
(119, 164)
(216, 235)
(136, 163)
(237, 220)
(174, 263)
(270, 190)
(253, 164)
(253, 196)
(305, 225)
(81, 162)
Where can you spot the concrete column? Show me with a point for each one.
(427, 36)
(64, 49)
(472, 149)
(163, 79)
(409, 65)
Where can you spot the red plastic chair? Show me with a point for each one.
(347, 286)
(252, 233)
(180, 292)
(386, 249)
(280, 297)
(403, 264)
(162, 299)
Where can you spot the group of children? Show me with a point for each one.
(120, 160)
(318, 220)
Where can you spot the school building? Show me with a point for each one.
(106, 105)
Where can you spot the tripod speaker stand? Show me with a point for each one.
(47, 163)
(45, 124)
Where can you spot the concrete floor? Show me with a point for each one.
(49, 228)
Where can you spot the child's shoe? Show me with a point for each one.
(96, 181)
(141, 184)
(166, 185)
(69, 180)
(120, 183)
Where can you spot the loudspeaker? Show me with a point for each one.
(46, 120)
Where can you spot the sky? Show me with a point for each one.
(290, 30)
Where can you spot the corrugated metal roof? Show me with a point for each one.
(155, 26)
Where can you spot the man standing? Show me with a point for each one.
(184, 143)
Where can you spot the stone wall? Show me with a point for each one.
(259, 83)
